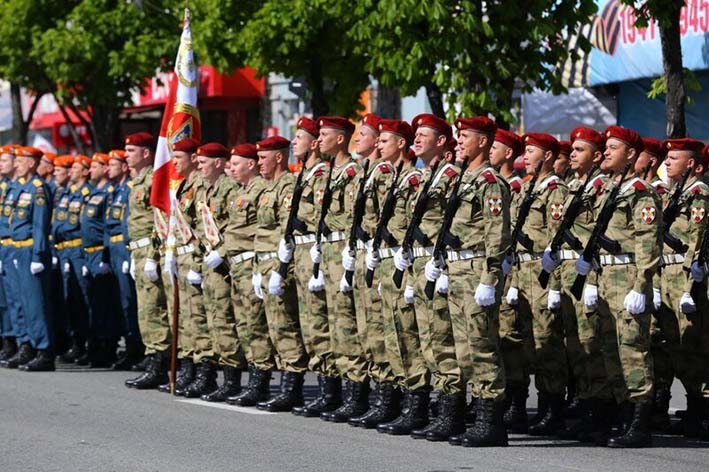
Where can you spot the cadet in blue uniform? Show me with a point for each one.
(116, 239)
(30, 230)
(7, 282)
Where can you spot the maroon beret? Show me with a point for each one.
(309, 126)
(591, 136)
(371, 120)
(246, 150)
(627, 135)
(684, 144)
(214, 150)
(705, 157)
(336, 122)
(481, 124)
(565, 148)
(397, 127)
(508, 138)
(655, 147)
(432, 121)
(273, 143)
(544, 141)
(140, 139)
(188, 145)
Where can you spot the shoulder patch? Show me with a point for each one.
(383, 168)
(639, 186)
(450, 172)
(696, 189)
(489, 177)
(661, 189)
(110, 188)
(598, 182)
(698, 214)
(72, 188)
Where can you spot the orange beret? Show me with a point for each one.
(29, 151)
(655, 147)
(684, 144)
(246, 150)
(308, 125)
(591, 136)
(274, 143)
(565, 148)
(481, 124)
(188, 145)
(83, 160)
(627, 135)
(213, 150)
(64, 161)
(544, 141)
(336, 122)
(50, 156)
(117, 154)
(371, 120)
(510, 139)
(100, 157)
(398, 127)
(432, 121)
(142, 139)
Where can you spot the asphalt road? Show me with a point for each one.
(88, 421)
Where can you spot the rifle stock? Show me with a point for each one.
(358, 214)
(326, 200)
(295, 204)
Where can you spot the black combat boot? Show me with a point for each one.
(357, 403)
(450, 420)
(345, 396)
(141, 365)
(601, 423)
(416, 416)
(43, 362)
(385, 409)
(329, 400)
(660, 417)
(9, 348)
(691, 423)
(704, 430)
(582, 426)
(471, 410)
(489, 428)
(23, 355)
(205, 380)
(230, 387)
(155, 374)
(77, 349)
(405, 407)
(638, 433)
(553, 421)
(291, 394)
(572, 400)
(515, 418)
(185, 376)
(542, 408)
(105, 355)
(256, 391)
(134, 354)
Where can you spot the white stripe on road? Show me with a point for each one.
(222, 406)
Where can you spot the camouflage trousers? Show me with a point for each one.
(516, 340)
(251, 325)
(664, 337)
(401, 339)
(689, 350)
(480, 354)
(314, 315)
(625, 337)
(152, 305)
(582, 327)
(370, 326)
(350, 356)
(220, 317)
(283, 321)
(436, 335)
(550, 367)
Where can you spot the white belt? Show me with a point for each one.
(673, 259)
(422, 251)
(187, 249)
(264, 256)
(528, 256)
(244, 256)
(304, 239)
(133, 245)
(362, 245)
(620, 259)
(334, 237)
(568, 255)
(388, 252)
(454, 256)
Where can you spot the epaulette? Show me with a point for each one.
(516, 186)
(36, 182)
(489, 176)
(129, 184)
(3, 185)
(661, 189)
(384, 167)
(73, 188)
(639, 186)
(110, 188)
(84, 191)
(450, 172)
(598, 182)
(551, 185)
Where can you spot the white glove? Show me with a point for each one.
(316, 253)
(485, 294)
(55, 262)
(379, 289)
(256, 284)
(285, 251)
(67, 267)
(656, 298)
(512, 296)
(104, 268)
(590, 296)
(698, 272)
(409, 295)
(84, 271)
(553, 299)
(686, 304)
(275, 284)
(150, 269)
(348, 261)
(550, 261)
(372, 259)
(131, 269)
(36, 267)
(400, 262)
(170, 264)
(344, 286)
(506, 266)
(442, 284)
(317, 285)
(213, 259)
(634, 302)
(194, 278)
(431, 271)
(125, 267)
(583, 267)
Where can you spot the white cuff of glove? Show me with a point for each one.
(317, 285)
(656, 298)
(442, 284)
(256, 284)
(485, 295)
(213, 259)
(84, 271)
(553, 299)
(67, 267)
(36, 267)
(275, 284)
(150, 269)
(316, 253)
(372, 260)
(104, 268)
(590, 296)
(634, 302)
(131, 268)
(512, 296)
(194, 278)
(686, 304)
(285, 251)
(348, 260)
(125, 267)
(400, 262)
(432, 271)
(345, 287)
(409, 295)
(55, 262)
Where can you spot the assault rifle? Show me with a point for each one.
(357, 216)
(322, 227)
(292, 220)
(670, 214)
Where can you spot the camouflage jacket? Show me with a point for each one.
(273, 211)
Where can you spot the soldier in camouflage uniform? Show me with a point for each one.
(251, 325)
(280, 297)
(152, 307)
(625, 283)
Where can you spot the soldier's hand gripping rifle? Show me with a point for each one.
(292, 220)
(382, 233)
(671, 212)
(445, 238)
(594, 244)
(322, 227)
(563, 233)
(412, 230)
(357, 216)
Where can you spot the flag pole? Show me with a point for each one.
(175, 333)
